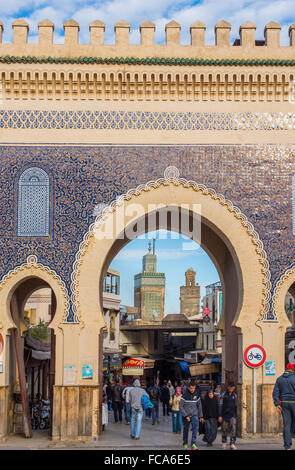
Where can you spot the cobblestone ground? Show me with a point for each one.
(117, 437)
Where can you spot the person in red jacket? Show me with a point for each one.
(284, 400)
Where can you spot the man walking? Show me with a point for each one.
(191, 409)
(109, 395)
(127, 408)
(154, 394)
(135, 396)
(228, 415)
(165, 397)
(117, 401)
(284, 400)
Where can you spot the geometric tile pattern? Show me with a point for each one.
(139, 120)
(256, 178)
(33, 203)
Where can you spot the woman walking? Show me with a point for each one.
(210, 417)
(171, 392)
(176, 414)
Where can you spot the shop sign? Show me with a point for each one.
(132, 371)
(133, 363)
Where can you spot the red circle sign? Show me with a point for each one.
(254, 356)
(1, 343)
(206, 311)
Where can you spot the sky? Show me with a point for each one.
(174, 257)
(136, 11)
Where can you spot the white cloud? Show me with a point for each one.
(161, 12)
(162, 254)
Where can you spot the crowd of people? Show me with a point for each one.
(183, 402)
(190, 410)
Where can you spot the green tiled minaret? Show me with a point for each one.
(149, 289)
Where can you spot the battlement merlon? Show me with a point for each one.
(245, 47)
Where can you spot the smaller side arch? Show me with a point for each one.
(27, 277)
(280, 291)
(15, 277)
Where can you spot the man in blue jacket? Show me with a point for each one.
(284, 400)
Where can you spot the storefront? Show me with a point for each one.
(112, 366)
(207, 373)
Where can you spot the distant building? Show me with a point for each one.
(290, 307)
(213, 301)
(149, 289)
(161, 345)
(112, 360)
(190, 295)
(38, 307)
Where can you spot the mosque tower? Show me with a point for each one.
(149, 289)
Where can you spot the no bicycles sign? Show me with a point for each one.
(254, 356)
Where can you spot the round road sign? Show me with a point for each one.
(206, 311)
(254, 356)
(1, 343)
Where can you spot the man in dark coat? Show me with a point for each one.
(165, 398)
(117, 403)
(154, 394)
(228, 415)
(284, 400)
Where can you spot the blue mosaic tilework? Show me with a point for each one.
(139, 120)
(257, 179)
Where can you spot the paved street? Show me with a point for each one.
(117, 437)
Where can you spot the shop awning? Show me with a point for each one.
(40, 355)
(200, 369)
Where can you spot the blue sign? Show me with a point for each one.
(270, 368)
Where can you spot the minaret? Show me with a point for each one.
(190, 295)
(149, 289)
(149, 261)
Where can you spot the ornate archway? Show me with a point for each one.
(235, 248)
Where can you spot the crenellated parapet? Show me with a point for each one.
(245, 46)
(247, 70)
